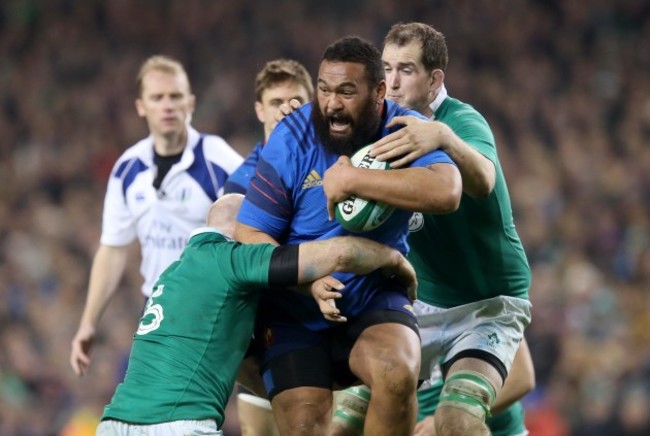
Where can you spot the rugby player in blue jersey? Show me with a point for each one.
(304, 356)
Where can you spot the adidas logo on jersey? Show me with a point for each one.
(313, 179)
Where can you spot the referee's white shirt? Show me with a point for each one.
(163, 219)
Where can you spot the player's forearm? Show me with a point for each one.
(362, 256)
(108, 267)
(478, 172)
(436, 189)
(344, 254)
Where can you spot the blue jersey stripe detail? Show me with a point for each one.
(240, 179)
(299, 126)
(267, 190)
(128, 171)
(208, 180)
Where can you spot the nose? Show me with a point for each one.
(334, 103)
(169, 103)
(392, 80)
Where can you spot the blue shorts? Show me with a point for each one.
(294, 356)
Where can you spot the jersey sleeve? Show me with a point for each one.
(268, 205)
(118, 223)
(250, 265)
(471, 127)
(239, 180)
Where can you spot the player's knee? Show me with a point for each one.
(468, 392)
(302, 410)
(395, 379)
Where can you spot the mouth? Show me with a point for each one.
(394, 97)
(169, 119)
(339, 125)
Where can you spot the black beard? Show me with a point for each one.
(362, 133)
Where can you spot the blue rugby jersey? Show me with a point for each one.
(239, 181)
(286, 200)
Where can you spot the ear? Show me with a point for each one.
(259, 111)
(191, 103)
(381, 92)
(139, 107)
(437, 79)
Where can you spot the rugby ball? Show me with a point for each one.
(357, 214)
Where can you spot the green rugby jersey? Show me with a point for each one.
(474, 253)
(194, 333)
(509, 422)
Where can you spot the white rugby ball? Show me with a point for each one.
(357, 214)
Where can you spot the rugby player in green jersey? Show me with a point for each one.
(198, 323)
(473, 273)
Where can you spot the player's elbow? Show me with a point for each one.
(480, 184)
(445, 194)
(443, 202)
(481, 191)
(452, 201)
(481, 188)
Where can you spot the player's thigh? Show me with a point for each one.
(383, 346)
(489, 329)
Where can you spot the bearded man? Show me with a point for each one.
(303, 171)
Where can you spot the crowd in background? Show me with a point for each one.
(565, 86)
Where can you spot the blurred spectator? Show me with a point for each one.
(563, 84)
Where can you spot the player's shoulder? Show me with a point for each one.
(143, 149)
(298, 120)
(395, 110)
(138, 155)
(292, 139)
(452, 108)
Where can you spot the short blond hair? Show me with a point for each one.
(162, 63)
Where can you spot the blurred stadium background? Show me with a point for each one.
(564, 84)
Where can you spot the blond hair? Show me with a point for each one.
(162, 63)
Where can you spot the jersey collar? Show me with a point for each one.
(435, 104)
